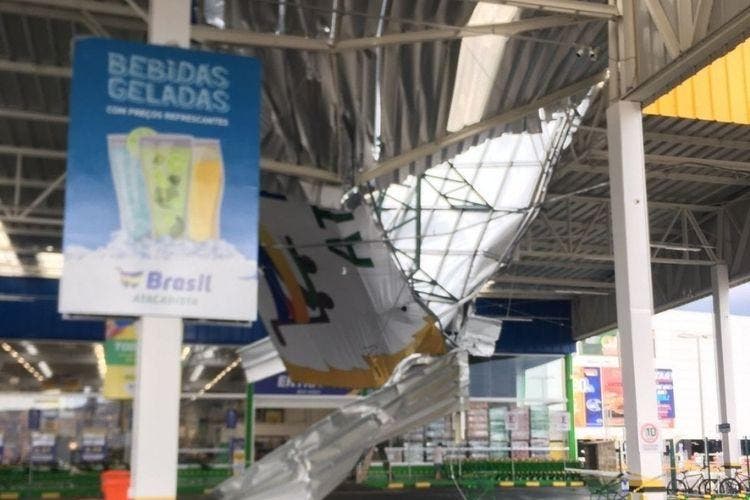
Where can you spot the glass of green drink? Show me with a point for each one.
(166, 162)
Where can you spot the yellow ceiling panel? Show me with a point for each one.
(719, 92)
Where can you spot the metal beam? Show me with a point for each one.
(500, 29)
(543, 254)
(593, 266)
(51, 154)
(690, 140)
(651, 174)
(663, 26)
(702, 17)
(651, 203)
(25, 231)
(515, 293)
(576, 7)
(36, 116)
(24, 9)
(741, 166)
(716, 44)
(245, 37)
(303, 171)
(43, 221)
(43, 196)
(35, 69)
(424, 150)
(111, 8)
(558, 282)
(26, 183)
(250, 38)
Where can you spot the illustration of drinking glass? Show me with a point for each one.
(130, 187)
(206, 188)
(165, 160)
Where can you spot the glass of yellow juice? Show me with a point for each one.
(206, 190)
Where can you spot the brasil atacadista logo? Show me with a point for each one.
(158, 281)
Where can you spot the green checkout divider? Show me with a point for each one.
(478, 474)
(14, 483)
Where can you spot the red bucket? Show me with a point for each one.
(115, 484)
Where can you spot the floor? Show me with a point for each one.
(346, 493)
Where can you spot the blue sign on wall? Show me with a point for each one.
(161, 212)
(33, 315)
(282, 384)
(593, 397)
(665, 394)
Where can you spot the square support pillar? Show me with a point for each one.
(156, 409)
(724, 365)
(156, 405)
(634, 294)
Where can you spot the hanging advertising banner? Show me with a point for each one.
(614, 401)
(161, 203)
(593, 397)
(665, 397)
(119, 356)
(337, 309)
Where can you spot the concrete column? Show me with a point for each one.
(156, 409)
(156, 406)
(724, 365)
(634, 296)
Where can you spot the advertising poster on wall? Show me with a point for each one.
(592, 394)
(161, 211)
(665, 397)
(605, 382)
(614, 402)
(119, 356)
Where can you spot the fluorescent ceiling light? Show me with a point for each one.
(30, 348)
(101, 363)
(50, 264)
(196, 373)
(478, 64)
(9, 263)
(185, 353)
(45, 369)
(21, 361)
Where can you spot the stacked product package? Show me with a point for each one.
(477, 430)
(520, 436)
(498, 431)
(413, 446)
(437, 432)
(539, 430)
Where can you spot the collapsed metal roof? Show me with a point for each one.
(359, 92)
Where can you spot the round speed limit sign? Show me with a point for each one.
(649, 433)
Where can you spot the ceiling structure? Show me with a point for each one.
(360, 94)
(78, 367)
